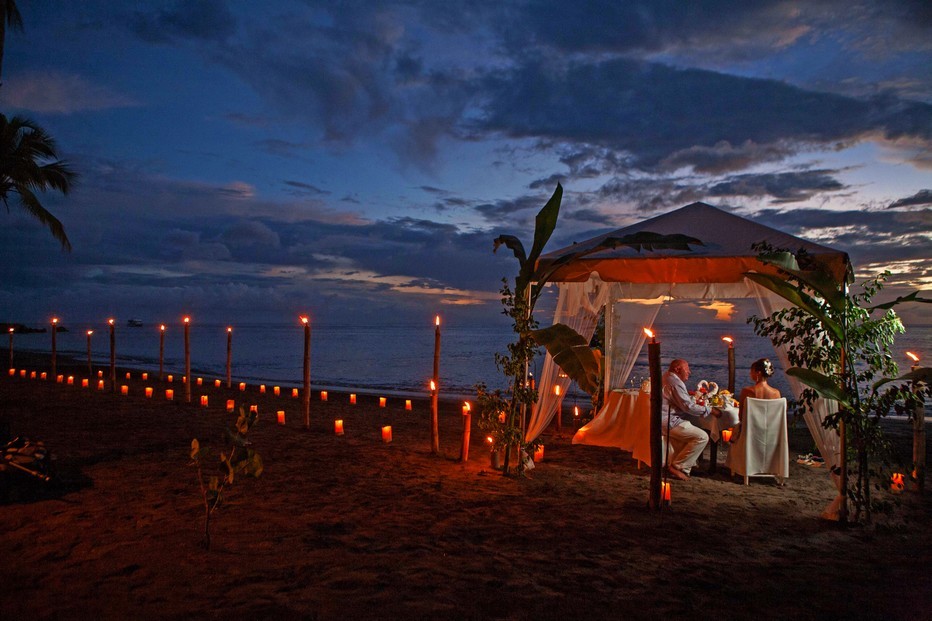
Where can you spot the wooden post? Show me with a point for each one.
(112, 325)
(843, 446)
(435, 395)
(656, 431)
(162, 352)
(229, 357)
(90, 369)
(467, 429)
(307, 372)
(919, 441)
(187, 359)
(54, 332)
(11, 347)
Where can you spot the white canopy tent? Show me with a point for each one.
(633, 285)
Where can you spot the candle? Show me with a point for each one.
(323, 395)
(575, 411)
(254, 408)
(217, 383)
(276, 391)
(187, 359)
(294, 393)
(148, 392)
(12, 372)
(352, 398)
(184, 379)
(731, 363)
(32, 375)
(897, 483)
(556, 390)
(382, 402)
(539, 454)
(230, 405)
(43, 376)
(100, 384)
(281, 417)
(100, 374)
(22, 373)
(666, 492)
(171, 378)
(71, 380)
(170, 394)
(726, 435)
(242, 386)
(124, 389)
(387, 433)
(145, 377)
(128, 375)
(262, 388)
(407, 404)
(204, 401)
(200, 381)
(434, 393)
(84, 383)
(338, 426)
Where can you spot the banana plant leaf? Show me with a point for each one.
(912, 297)
(544, 225)
(922, 374)
(822, 384)
(818, 278)
(571, 352)
(798, 298)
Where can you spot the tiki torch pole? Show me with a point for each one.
(54, 332)
(187, 359)
(307, 372)
(229, 356)
(111, 322)
(90, 370)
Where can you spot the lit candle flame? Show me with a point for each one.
(556, 390)
(54, 320)
(304, 320)
(162, 327)
(437, 321)
(229, 329)
(728, 340)
(433, 386)
(489, 439)
(649, 333)
(110, 321)
(912, 356)
(466, 407)
(90, 332)
(187, 320)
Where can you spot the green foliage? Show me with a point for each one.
(839, 351)
(241, 459)
(572, 353)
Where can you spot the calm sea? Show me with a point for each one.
(399, 359)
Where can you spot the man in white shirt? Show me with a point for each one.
(687, 440)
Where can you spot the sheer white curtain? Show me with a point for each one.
(625, 336)
(578, 307)
(826, 439)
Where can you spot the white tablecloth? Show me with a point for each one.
(623, 422)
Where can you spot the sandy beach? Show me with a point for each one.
(354, 528)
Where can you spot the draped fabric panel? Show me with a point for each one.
(625, 337)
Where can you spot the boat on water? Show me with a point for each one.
(134, 323)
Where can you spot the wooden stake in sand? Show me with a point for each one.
(919, 435)
(90, 370)
(54, 332)
(112, 323)
(467, 429)
(435, 393)
(656, 403)
(229, 356)
(162, 352)
(731, 363)
(306, 397)
(187, 359)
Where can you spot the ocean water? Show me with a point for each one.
(399, 359)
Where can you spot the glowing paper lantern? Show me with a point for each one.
(387, 433)
(200, 381)
(352, 398)
(294, 393)
(254, 408)
(128, 375)
(12, 372)
(170, 394)
(539, 454)
(338, 427)
(382, 402)
(204, 400)
(242, 386)
(22, 373)
(171, 378)
(148, 392)
(897, 483)
(281, 417)
(230, 405)
(323, 394)
(71, 380)
(145, 377)
(726, 435)
(84, 383)
(262, 388)
(665, 492)
(124, 389)
(100, 374)
(407, 404)
(43, 376)
(100, 384)
(216, 383)
(276, 391)
(32, 375)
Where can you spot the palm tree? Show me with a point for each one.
(28, 163)
(9, 16)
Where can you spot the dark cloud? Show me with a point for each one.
(789, 187)
(723, 157)
(305, 189)
(922, 197)
(191, 19)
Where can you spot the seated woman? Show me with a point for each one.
(760, 371)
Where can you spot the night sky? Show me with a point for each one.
(253, 160)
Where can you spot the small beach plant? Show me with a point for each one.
(239, 460)
(840, 347)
